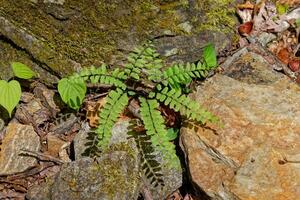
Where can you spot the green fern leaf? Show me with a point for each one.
(181, 103)
(117, 100)
(156, 129)
(179, 74)
(145, 61)
(101, 76)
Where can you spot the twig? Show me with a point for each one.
(96, 96)
(42, 157)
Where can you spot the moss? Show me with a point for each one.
(112, 170)
(218, 15)
(92, 32)
(91, 29)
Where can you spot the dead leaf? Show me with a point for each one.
(245, 28)
(284, 55)
(247, 5)
(92, 109)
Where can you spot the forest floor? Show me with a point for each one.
(269, 30)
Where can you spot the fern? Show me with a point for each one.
(156, 129)
(116, 102)
(101, 76)
(143, 78)
(92, 144)
(180, 74)
(144, 60)
(150, 166)
(182, 103)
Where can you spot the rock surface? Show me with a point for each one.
(62, 36)
(172, 178)
(18, 137)
(113, 176)
(256, 154)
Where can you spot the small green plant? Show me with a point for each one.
(143, 78)
(10, 91)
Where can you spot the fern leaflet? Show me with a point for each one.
(102, 76)
(117, 100)
(149, 165)
(144, 60)
(180, 74)
(156, 129)
(180, 102)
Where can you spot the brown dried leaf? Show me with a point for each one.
(247, 5)
(284, 55)
(245, 28)
(92, 109)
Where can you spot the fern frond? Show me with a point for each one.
(150, 166)
(145, 60)
(156, 129)
(92, 144)
(180, 102)
(180, 74)
(116, 102)
(102, 76)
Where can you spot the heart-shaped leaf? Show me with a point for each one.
(72, 92)
(209, 55)
(10, 94)
(22, 71)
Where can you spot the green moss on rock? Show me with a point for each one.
(92, 32)
(218, 15)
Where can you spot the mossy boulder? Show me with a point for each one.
(122, 141)
(64, 35)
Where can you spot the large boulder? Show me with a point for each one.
(255, 154)
(112, 176)
(115, 174)
(168, 178)
(63, 36)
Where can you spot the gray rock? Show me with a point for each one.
(8, 54)
(264, 38)
(172, 177)
(18, 137)
(253, 155)
(112, 176)
(61, 36)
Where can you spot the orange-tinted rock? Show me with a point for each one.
(261, 126)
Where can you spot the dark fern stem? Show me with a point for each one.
(150, 166)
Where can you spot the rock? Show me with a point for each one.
(57, 148)
(112, 176)
(81, 141)
(47, 98)
(61, 37)
(255, 154)
(172, 178)
(9, 53)
(18, 137)
(33, 112)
